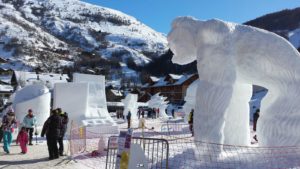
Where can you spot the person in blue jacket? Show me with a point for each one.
(29, 122)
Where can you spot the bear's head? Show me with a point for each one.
(189, 35)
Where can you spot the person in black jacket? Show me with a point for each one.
(52, 128)
(128, 117)
(255, 118)
(65, 120)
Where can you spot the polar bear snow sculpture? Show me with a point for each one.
(230, 57)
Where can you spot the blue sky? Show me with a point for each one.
(158, 14)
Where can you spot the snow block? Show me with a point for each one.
(73, 99)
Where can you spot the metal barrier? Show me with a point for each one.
(156, 151)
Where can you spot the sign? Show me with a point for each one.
(123, 155)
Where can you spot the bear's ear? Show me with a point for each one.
(182, 40)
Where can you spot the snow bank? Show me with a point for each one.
(230, 56)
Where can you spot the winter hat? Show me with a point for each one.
(29, 110)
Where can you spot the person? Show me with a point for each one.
(157, 115)
(22, 138)
(255, 118)
(52, 128)
(173, 113)
(143, 113)
(139, 113)
(191, 121)
(153, 113)
(65, 121)
(128, 117)
(8, 122)
(1, 133)
(29, 122)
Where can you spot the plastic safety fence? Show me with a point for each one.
(156, 152)
(86, 138)
(187, 153)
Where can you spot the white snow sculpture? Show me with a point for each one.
(229, 55)
(97, 106)
(130, 104)
(190, 99)
(159, 102)
(73, 99)
(36, 97)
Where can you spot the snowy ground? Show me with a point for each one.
(183, 153)
(36, 158)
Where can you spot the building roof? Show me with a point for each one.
(5, 78)
(6, 88)
(179, 80)
(154, 79)
(49, 79)
(116, 92)
(175, 77)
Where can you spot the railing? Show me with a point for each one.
(156, 152)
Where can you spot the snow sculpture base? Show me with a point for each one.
(230, 57)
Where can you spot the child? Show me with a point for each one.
(23, 140)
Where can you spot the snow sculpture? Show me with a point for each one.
(36, 97)
(73, 99)
(230, 55)
(97, 106)
(190, 99)
(85, 99)
(159, 102)
(130, 104)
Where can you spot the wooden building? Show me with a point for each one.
(171, 86)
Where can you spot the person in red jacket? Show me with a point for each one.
(22, 138)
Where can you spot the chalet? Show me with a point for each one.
(171, 86)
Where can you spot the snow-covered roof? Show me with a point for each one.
(121, 104)
(6, 88)
(47, 78)
(5, 78)
(154, 79)
(175, 77)
(162, 82)
(116, 92)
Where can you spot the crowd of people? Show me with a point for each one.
(54, 129)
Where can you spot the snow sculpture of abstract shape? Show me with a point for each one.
(130, 104)
(159, 102)
(36, 97)
(73, 99)
(228, 55)
(97, 106)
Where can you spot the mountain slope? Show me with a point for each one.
(285, 23)
(52, 33)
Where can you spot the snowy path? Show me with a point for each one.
(36, 158)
